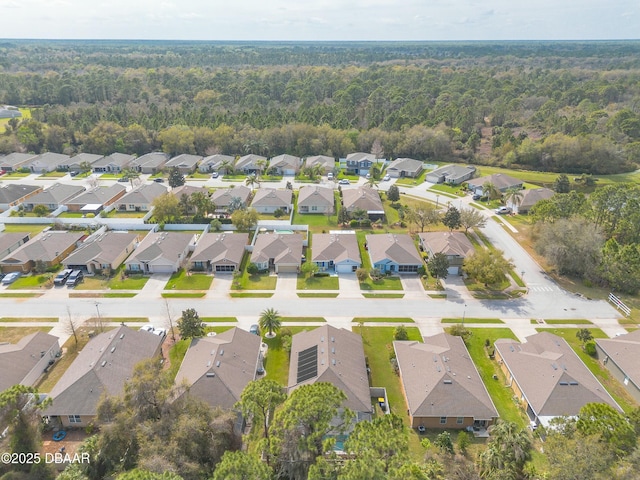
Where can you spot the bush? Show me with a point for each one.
(252, 269)
(91, 215)
(354, 223)
(321, 274)
(215, 225)
(590, 348)
(365, 223)
(376, 275)
(279, 213)
(401, 333)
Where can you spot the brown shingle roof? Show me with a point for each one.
(449, 243)
(314, 195)
(143, 195)
(398, 248)
(17, 360)
(102, 250)
(363, 197)
(533, 196)
(45, 246)
(223, 196)
(270, 197)
(624, 351)
(221, 248)
(283, 248)
(336, 247)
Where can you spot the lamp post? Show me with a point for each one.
(437, 200)
(464, 310)
(99, 317)
(522, 277)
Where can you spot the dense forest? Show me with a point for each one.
(567, 106)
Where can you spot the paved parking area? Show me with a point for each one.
(286, 286)
(349, 286)
(412, 286)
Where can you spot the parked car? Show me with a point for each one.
(147, 328)
(255, 329)
(2, 172)
(503, 210)
(75, 278)
(329, 176)
(73, 174)
(11, 277)
(367, 176)
(158, 180)
(344, 181)
(62, 277)
(476, 196)
(161, 332)
(386, 178)
(215, 175)
(123, 180)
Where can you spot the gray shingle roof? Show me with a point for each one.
(405, 165)
(270, 197)
(56, 194)
(624, 351)
(363, 197)
(50, 159)
(283, 248)
(500, 180)
(337, 247)
(328, 163)
(533, 196)
(16, 160)
(188, 190)
(150, 160)
(161, 245)
(90, 158)
(184, 161)
(17, 360)
(361, 156)
(102, 250)
(143, 195)
(220, 248)
(99, 196)
(45, 246)
(12, 192)
(248, 161)
(285, 162)
(121, 160)
(9, 239)
(398, 248)
(222, 196)
(449, 243)
(214, 161)
(310, 195)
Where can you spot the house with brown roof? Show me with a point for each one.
(13, 194)
(455, 245)
(251, 164)
(529, 199)
(621, 356)
(50, 247)
(268, 200)
(103, 366)
(328, 164)
(316, 199)
(114, 163)
(278, 252)
(501, 181)
(54, 196)
(393, 253)
(93, 201)
(217, 369)
(102, 253)
(222, 197)
(140, 199)
(161, 252)
(219, 252)
(404, 167)
(548, 378)
(24, 362)
(441, 385)
(285, 164)
(15, 161)
(363, 198)
(336, 252)
(451, 174)
(150, 163)
(217, 162)
(10, 241)
(186, 163)
(333, 355)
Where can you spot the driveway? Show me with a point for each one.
(221, 286)
(412, 286)
(155, 285)
(349, 286)
(287, 286)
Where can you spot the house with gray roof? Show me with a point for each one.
(455, 245)
(15, 161)
(393, 253)
(217, 369)
(219, 252)
(285, 164)
(13, 194)
(150, 163)
(404, 167)
(74, 164)
(102, 253)
(364, 198)
(186, 163)
(441, 385)
(50, 247)
(161, 252)
(93, 201)
(24, 362)
(621, 356)
(10, 241)
(9, 111)
(54, 196)
(47, 162)
(547, 377)
(251, 164)
(222, 197)
(336, 252)
(268, 200)
(114, 163)
(328, 163)
(529, 199)
(359, 163)
(333, 355)
(217, 162)
(316, 199)
(451, 174)
(139, 199)
(103, 367)
(278, 252)
(501, 181)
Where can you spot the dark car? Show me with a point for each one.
(75, 278)
(62, 277)
(255, 329)
(158, 180)
(73, 174)
(123, 180)
(476, 196)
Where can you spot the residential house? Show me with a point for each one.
(621, 356)
(9, 111)
(363, 198)
(251, 164)
(150, 163)
(222, 197)
(337, 252)
(74, 164)
(219, 252)
(360, 163)
(548, 378)
(215, 163)
(102, 253)
(11, 241)
(47, 162)
(501, 181)
(217, 369)
(441, 385)
(15, 161)
(455, 245)
(22, 363)
(188, 190)
(114, 163)
(316, 199)
(139, 199)
(328, 163)
(285, 164)
(278, 252)
(268, 200)
(333, 355)
(186, 163)
(54, 196)
(161, 252)
(50, 247)
(93, 201)
(451, 174)
(529, 199)
(13, 194)
(102, 367)
(404, 167)
(393, 253)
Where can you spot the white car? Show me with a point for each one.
(503, 210)
(344, 181)
(11, 277)
(215, 175)
(161, 332)
(386, 178)
(329, 176)
(147, 328)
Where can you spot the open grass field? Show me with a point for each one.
(184, 280)
(26, 114)
(29, 319)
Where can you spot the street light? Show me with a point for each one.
(464, 310)
(437, 200)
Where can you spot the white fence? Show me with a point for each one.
(619, 304)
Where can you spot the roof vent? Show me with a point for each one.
(573, 383)
(333, 361)
(322, 339)
(113, 349)
(213, 352)
(222, 352)
(448, 382)
(218, 363)
(333, 350)
(564, 383)
(208, 363)
(333, 339)
(104, 362)
(121, 336)
(211, 374)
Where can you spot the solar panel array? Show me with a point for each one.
(307, 364)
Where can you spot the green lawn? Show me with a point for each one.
(317, 295)
(568, 321)
(276, 362)
(383, 295)
(317, 283)
(448, 190)
(95, 282)
(101, 295)
(184, 280)
(132, 282)
(14, 334)
(32, 282)
(10, 175)
(406, 181)
(471, 320)
(382, 319)
(72, 215)
(260, 281)
(386, 283)
(29, 319)
(218, 319)
(26, 114)
(124, 214)
(20, 295)
(26, 228)
(250, 295)
(176, 355)
(199, 176)
(183, 295)
(53, 175)
(303, 319)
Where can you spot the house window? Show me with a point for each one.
(135, 267)
(132, 207)
(459, 420)
(314, 208)
(74, 419)
(443, 420)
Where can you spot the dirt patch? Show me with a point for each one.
(71, 442)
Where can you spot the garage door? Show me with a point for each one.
(343, 268)
(452, 271)
(225, 268)
(287, 269)
(162, 268)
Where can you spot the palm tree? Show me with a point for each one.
(513, 195)
(130, 175)
(508, 449)
(490, 191)
(372, 181)
(226, 166)
(270, 320)
(252, 180)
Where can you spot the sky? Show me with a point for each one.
(314, 20)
